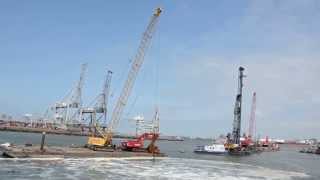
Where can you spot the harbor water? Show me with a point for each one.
(181, 163)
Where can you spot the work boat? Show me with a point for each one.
(215, 148)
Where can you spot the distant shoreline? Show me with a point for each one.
(67, 132)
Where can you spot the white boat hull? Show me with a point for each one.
(211, 149)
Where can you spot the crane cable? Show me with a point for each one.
(155, 73)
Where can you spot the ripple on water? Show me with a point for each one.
(135, 168)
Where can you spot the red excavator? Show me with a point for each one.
(246, 141)
(138, 144)
(266, 142)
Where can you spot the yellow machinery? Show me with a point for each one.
(104, 138)
(231, 146)
(97, 141)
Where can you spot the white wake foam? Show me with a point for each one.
(144, 168)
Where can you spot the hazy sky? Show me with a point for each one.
(193, 61)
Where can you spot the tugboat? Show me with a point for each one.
(3, 147)
(312, 149)
(318, 150)
(217, 149)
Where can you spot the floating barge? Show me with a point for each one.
(313, 149)
(69, 152)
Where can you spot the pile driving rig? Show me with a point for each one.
(233, 143)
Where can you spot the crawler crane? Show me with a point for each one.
(104, 138)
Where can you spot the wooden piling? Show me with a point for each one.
(43, 141)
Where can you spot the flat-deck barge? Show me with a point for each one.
(69, 152)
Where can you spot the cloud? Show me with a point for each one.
(280, 54)
(286, 88)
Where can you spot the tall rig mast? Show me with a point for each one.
(237, 109)
(252, 122)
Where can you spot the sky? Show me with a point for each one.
(190, 71)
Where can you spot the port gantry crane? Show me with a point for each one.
(99, 105)
(68, 108)
(102, 103)
(143, 126)
(105, 138)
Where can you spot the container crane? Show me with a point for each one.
(143, 126)
(66, 109)
(105, 138)
(99, 104)
(104, 97)
(139, 122)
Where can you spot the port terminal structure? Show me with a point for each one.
(70, 113)
(97, 110)
(100, 140)
(66, 111)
